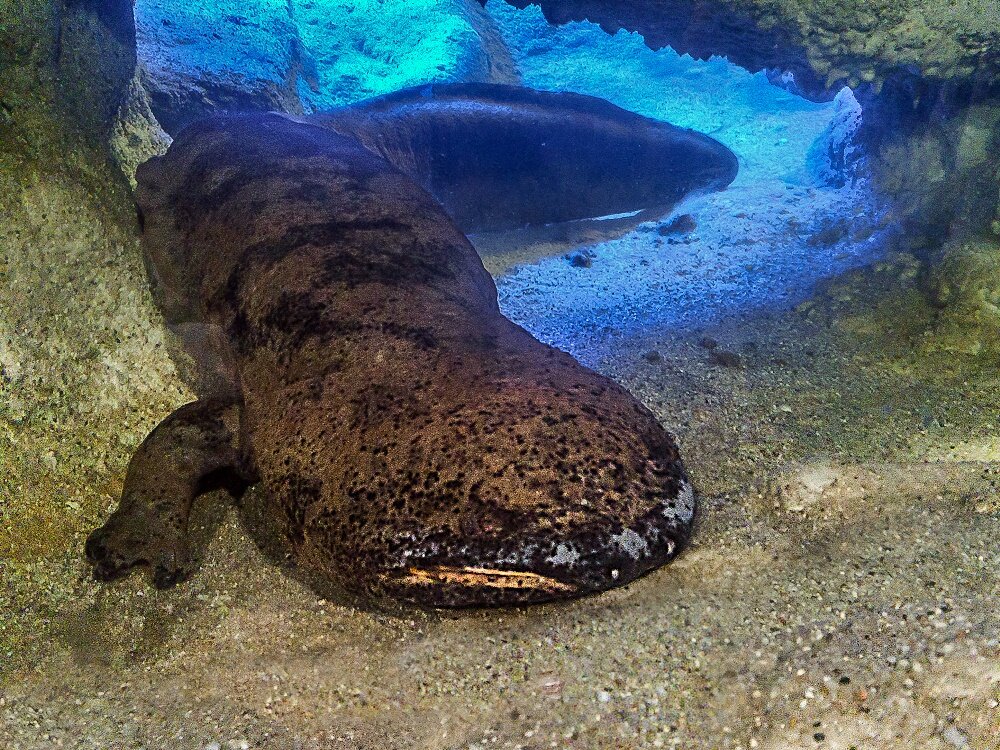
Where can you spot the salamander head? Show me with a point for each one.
(570, 492)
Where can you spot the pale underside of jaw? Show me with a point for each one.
(474, 577)
(627, 542)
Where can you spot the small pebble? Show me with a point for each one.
(831, 233)
(683, 224)
(726, 359)
(552, 687)
(955, 738)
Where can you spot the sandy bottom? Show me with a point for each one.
(841, 592)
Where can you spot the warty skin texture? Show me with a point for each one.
(412, 441)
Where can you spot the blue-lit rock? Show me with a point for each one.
(306, 55)
(223, 54)
(356, 50)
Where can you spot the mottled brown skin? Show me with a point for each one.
(414, 442)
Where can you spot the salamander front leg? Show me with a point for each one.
(193, 450)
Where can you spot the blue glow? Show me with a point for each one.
(365, 48)
(304, 54)
(761, 243)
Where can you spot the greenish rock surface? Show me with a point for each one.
(84, 371)
(941, 170)
(60, 53)
(942, 175)
(137, 135)
(966, 285)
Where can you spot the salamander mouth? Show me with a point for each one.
(522, 570)
(483, 578)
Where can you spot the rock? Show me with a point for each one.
(932, 161)
(580, 260)
(831, 232)
(83, 354)
(725, 359)
(966, 288)
(79, 55)
(394, 45)
(227, 55)
(496, 62)
(819, 485)
(136, 136)
(550, 685)
(683, 224)
(955, 738)
(306, 55)
(837, 156)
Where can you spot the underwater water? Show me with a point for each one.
(819, 339)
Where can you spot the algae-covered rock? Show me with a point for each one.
(966, 287)
(83, 365)
(60, 54)
(939, 163)
(137, 135)
(932, 315)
